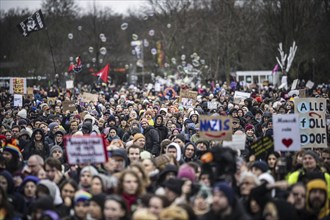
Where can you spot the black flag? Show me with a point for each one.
(33, 23)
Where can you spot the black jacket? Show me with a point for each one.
(152, 140)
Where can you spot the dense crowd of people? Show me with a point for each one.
(158, 166)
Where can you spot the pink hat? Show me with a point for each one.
(144, 120)
(186, 171)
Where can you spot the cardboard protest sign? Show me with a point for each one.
(261, 147)
(238, 142)
(29, 90)
(17, 86)
(69, 84)
(187, 98)
(312, 121)
(302, 93)
(18, 100)
(51, 100)
(69, 105)
(240, 96)
(286, 132)
(85, 149)
(215, 127)
(89, 97)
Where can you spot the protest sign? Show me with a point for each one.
(187, 98)
(51, 100)
(89, 149)
(240, 96)
(261, 147)
(212, 105)
(68, 106)
(69, 84)
(238, 142)
(157, 87)
(286, 132)
(215, 127)
(17, 86)
(89, 97)
(294, 84)
(302, 93)
(312, 121)
(18, 100)
(309, 84)
(29, 90)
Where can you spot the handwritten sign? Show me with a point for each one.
(238, 142)
(89, 97)
(187, 98)
(68, 105)
(309, 84)
(261, 147)
(212, 105)
(17, 86)
(215, 127)
(286, 132)
(51, 100)
(89, 149)
(302, 93)
(18, 100)
(312, 121)
(240, 96)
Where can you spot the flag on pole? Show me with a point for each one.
(33, 23)
(76, 67)
(275, 69)
(103, 73)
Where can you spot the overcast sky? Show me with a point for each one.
(119, 6)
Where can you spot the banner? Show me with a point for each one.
(17, 86)
(187, 98)
(286, 132)
(312, 121)
(261, 147)
(33, 23)
(89, 149)
(69, 106)
(215, 127)
(18, 100)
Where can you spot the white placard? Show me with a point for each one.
(212, 105)
(309, 84)
(18, 100)
(294, 84)
(85, 149)
(240, 96)
(157, 87)
(69, 84)
(286, 132)
(238, 142)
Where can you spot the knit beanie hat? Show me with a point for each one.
(186, 171)
(144, 120)
(14, 150)
(138, 136)
(90, 169)
(181, 137)
(22, 113)
(82, 196)
(52, 125)
(227, 190)
(145, 155)
(30, 179)
(262, 165)
(54, 148)
(249, 127)
(174, 185)
(313, 154)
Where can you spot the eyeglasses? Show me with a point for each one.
(295, 194)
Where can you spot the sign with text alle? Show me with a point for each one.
(87, 149)
(312, 121)
(286, 132)
(215, 127)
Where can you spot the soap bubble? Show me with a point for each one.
(70, 36)
(124, 26)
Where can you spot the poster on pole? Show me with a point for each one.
(18, 100)
(312, 121)
(187, 98)
(88, 149)
(17, 86)
(286, 132)
(215, 127)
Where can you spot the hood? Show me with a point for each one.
(159, 116)
(34, 133)
(190, 143)
(53, 191)
(178, 150)
(10, 181)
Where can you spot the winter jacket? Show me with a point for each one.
(152, 140)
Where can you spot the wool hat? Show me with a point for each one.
(313, 154)
(262, 165)
(22, 122)
(99, 199)
(87, 125)
(144, 120)
(52, 125)
(30, 179)
(174, 185)
(119, 153)
(14, 150)
(90, 169)
(82, 196)
(249, 127)
(22, 113)
(145, 155)
(227, 190)
(138, 136)
(111, 118)
(249, 114)
(186, 171)
(54, 148)
(181, 137)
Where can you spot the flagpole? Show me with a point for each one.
(51, 50)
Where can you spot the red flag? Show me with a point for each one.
(103, 73)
